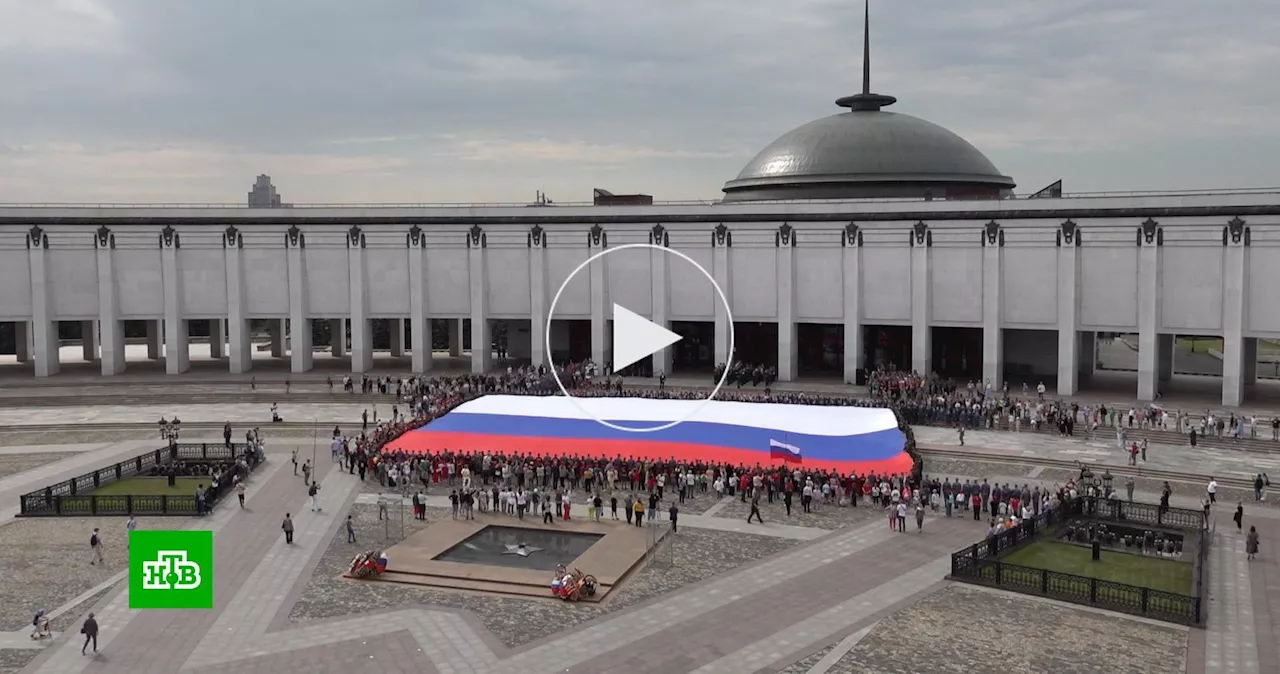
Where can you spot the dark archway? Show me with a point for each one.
(570, 340)
(696, 351)
(755, 344)
(886, 347)
(957, 353)
(820, 349)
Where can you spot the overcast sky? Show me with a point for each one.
(413, 101)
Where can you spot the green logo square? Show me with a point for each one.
(171, 569)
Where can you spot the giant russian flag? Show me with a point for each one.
(848, 439)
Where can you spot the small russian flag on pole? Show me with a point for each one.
(783, 451)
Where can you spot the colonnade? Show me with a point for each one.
(1155, 348)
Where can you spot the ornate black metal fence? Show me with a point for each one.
(980, 563)
(75, 497)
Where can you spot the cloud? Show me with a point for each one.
(453, 101)
(573, 151)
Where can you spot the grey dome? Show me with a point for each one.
(868, 153)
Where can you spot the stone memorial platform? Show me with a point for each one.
(483, 556)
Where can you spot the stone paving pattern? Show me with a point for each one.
(13, 464)
(824, 516)
(803, 665)
(13, 660)
(46, 561)
(696, 554)
(963, 629)
(712, 625)
(952, 468)
(325, 413)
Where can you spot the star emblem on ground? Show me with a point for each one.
(521, 549)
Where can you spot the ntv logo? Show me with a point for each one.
(170, 571)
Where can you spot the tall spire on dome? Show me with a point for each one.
(866, 47)
(866, 101)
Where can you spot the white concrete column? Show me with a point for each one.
(660, 286)
(239, 337)
(921, 331)
(722, 270)
(538, 300)
(44, 325)
(89, 340)
(154, 340)
(277, 328)
(1250, 361)
(1070, 345)
(456, 347)
(338, 337)
(361, 325)
(993, 307)
(788, 342)
(22, 340)
(477, 267)
(176, 341)
(397, 337)
(601, 309)
(299, 323)
(1165, 355)
(851, 273)
(1149, 297)
(217, 339)
(419, 303)
(1235, 270)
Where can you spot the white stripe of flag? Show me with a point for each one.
(782, 445)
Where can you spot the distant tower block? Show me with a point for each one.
(263, 194)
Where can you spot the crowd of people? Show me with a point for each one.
(522, 483)
(937, 401)
(741, 374)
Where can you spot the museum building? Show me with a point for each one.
(864, 238)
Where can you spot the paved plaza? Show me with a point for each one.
(830, 591)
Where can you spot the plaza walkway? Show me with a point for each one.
(757, 617)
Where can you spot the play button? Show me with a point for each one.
(636, 337)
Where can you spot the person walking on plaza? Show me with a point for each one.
(306, 471)
(294, 458)
(673, 513)
(755, 510)
(90, 632)
(311, 495)
(919, 516)
(1251, 544)
(1212, 490)
(95, 548)
(637, 506)
(351, 531)
(287, 528)
(240, 491)
(1238, 517)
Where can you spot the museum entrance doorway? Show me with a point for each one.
(696, 350)
(885, 347)
(820, 349)
(957, 353)
(755, 344)
(571, 340)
